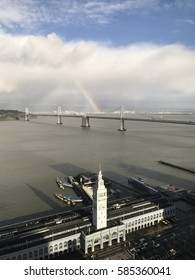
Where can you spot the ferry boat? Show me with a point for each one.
(59, 196)
(141, 179)
(73, 199)
(63, 184)
(138, 181)
(69, 199)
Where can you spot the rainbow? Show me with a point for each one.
(88, 96)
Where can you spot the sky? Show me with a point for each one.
(86, 55)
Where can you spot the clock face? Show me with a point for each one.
(101, 206)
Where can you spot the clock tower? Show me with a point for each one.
(100, 203)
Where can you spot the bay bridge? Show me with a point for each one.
(85, 117)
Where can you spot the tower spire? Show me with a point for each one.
(100, 173)
(100, 202)
(100, 167)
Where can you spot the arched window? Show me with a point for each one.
(35, 253)
(50, 249)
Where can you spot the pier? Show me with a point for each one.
(142, 184)
(176, 166)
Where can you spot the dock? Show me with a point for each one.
(176, 166)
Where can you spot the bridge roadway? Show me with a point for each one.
(103, 117)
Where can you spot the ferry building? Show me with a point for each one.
(90, 233)
(128, 219)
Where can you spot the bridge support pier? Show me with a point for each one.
(59, 120)
(26, 117)
(85, 121)
(59, 115)
(122, 125)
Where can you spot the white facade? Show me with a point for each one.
(100, 203)
(148, 219)
(100, 238)
(46, 250)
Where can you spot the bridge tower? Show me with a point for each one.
(59, 115)
(122, 121)
(85, 121)
(100, 203)
(26, 117)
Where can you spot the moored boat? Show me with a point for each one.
(63, 184)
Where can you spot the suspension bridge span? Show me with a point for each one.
(85, 117)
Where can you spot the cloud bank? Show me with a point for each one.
(41, 72)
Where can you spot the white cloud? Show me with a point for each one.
(14, 13)
(189, 21)
(30, 14)
(36, 71)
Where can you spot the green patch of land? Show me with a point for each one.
(6, 115)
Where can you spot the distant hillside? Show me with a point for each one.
(6, 115)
